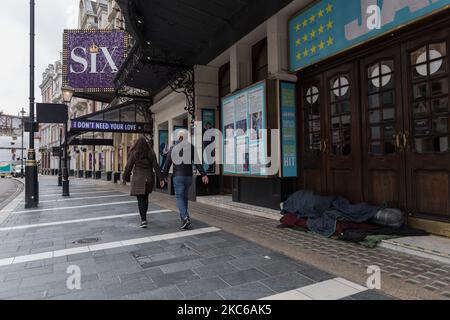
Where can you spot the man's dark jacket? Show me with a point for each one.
(183, 169)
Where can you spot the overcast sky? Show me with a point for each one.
(52, 17)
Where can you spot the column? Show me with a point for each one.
(278, 48)
(240, 66)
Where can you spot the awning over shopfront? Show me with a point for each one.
(174, 35)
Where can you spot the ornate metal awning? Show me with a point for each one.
(173, 36)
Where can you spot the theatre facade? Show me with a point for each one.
(357, 91)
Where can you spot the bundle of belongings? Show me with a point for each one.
(336, 216)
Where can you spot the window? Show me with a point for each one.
(260, 68)
(381, 104)
(340, 115)
(430, 89)
(312, 118)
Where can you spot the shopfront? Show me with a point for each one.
(373, 103)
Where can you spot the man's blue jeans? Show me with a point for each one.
(182, 185)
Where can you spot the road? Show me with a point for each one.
(7, 188)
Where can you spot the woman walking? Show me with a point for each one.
(142, 163)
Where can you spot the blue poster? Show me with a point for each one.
(163, 146)
(288, 130)
(331, 26)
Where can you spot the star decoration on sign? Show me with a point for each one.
(330, 25)
(305, 53)
(330, 41)
(321, 29)
(321, 45)
(329, 8)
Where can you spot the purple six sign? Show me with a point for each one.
(91, 59)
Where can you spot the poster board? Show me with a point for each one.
(244, 115)
(288, 134)
(208, 122)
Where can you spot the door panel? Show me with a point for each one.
(342, 139)
(427, 121)
(312, 133)
(382, 123)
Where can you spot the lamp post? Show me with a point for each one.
(67, 93)
(21, 150)
(31, 172)
(60, 158)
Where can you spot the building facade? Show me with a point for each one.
(84, 161)
(97, 162)
(360, 99)
(51, 134)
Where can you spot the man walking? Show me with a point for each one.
(182, 158)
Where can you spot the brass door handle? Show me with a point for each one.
(405, 140)
(325, 148)
(321, 146)
(397, 141)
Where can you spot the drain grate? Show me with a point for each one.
(87, 241)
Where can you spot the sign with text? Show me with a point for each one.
(91, 59)
(288, 130)
(108, 126)
(331, 26)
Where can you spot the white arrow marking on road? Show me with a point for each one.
(49, 224)
(76, 207)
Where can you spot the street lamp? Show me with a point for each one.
(21, 157)
(60, 157)
(67, 93)
(31, 172)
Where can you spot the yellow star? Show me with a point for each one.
(297, 27)
(305, 53)
(305, 23)
(312, 19)
(329, 8)
(321, 45)
(305, 38)
(330, 41)
(313, 34)
(320, 14)
(321, 29)
(298, 42)
(299, 56)
(330, 25)
(313, 49)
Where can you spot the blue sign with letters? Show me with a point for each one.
(288, 130)
(109, 126)
(331, 26)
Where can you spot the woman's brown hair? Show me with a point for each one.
(141, 149)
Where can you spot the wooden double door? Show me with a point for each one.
(377, 129)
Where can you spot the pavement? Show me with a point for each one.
(227, 255)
